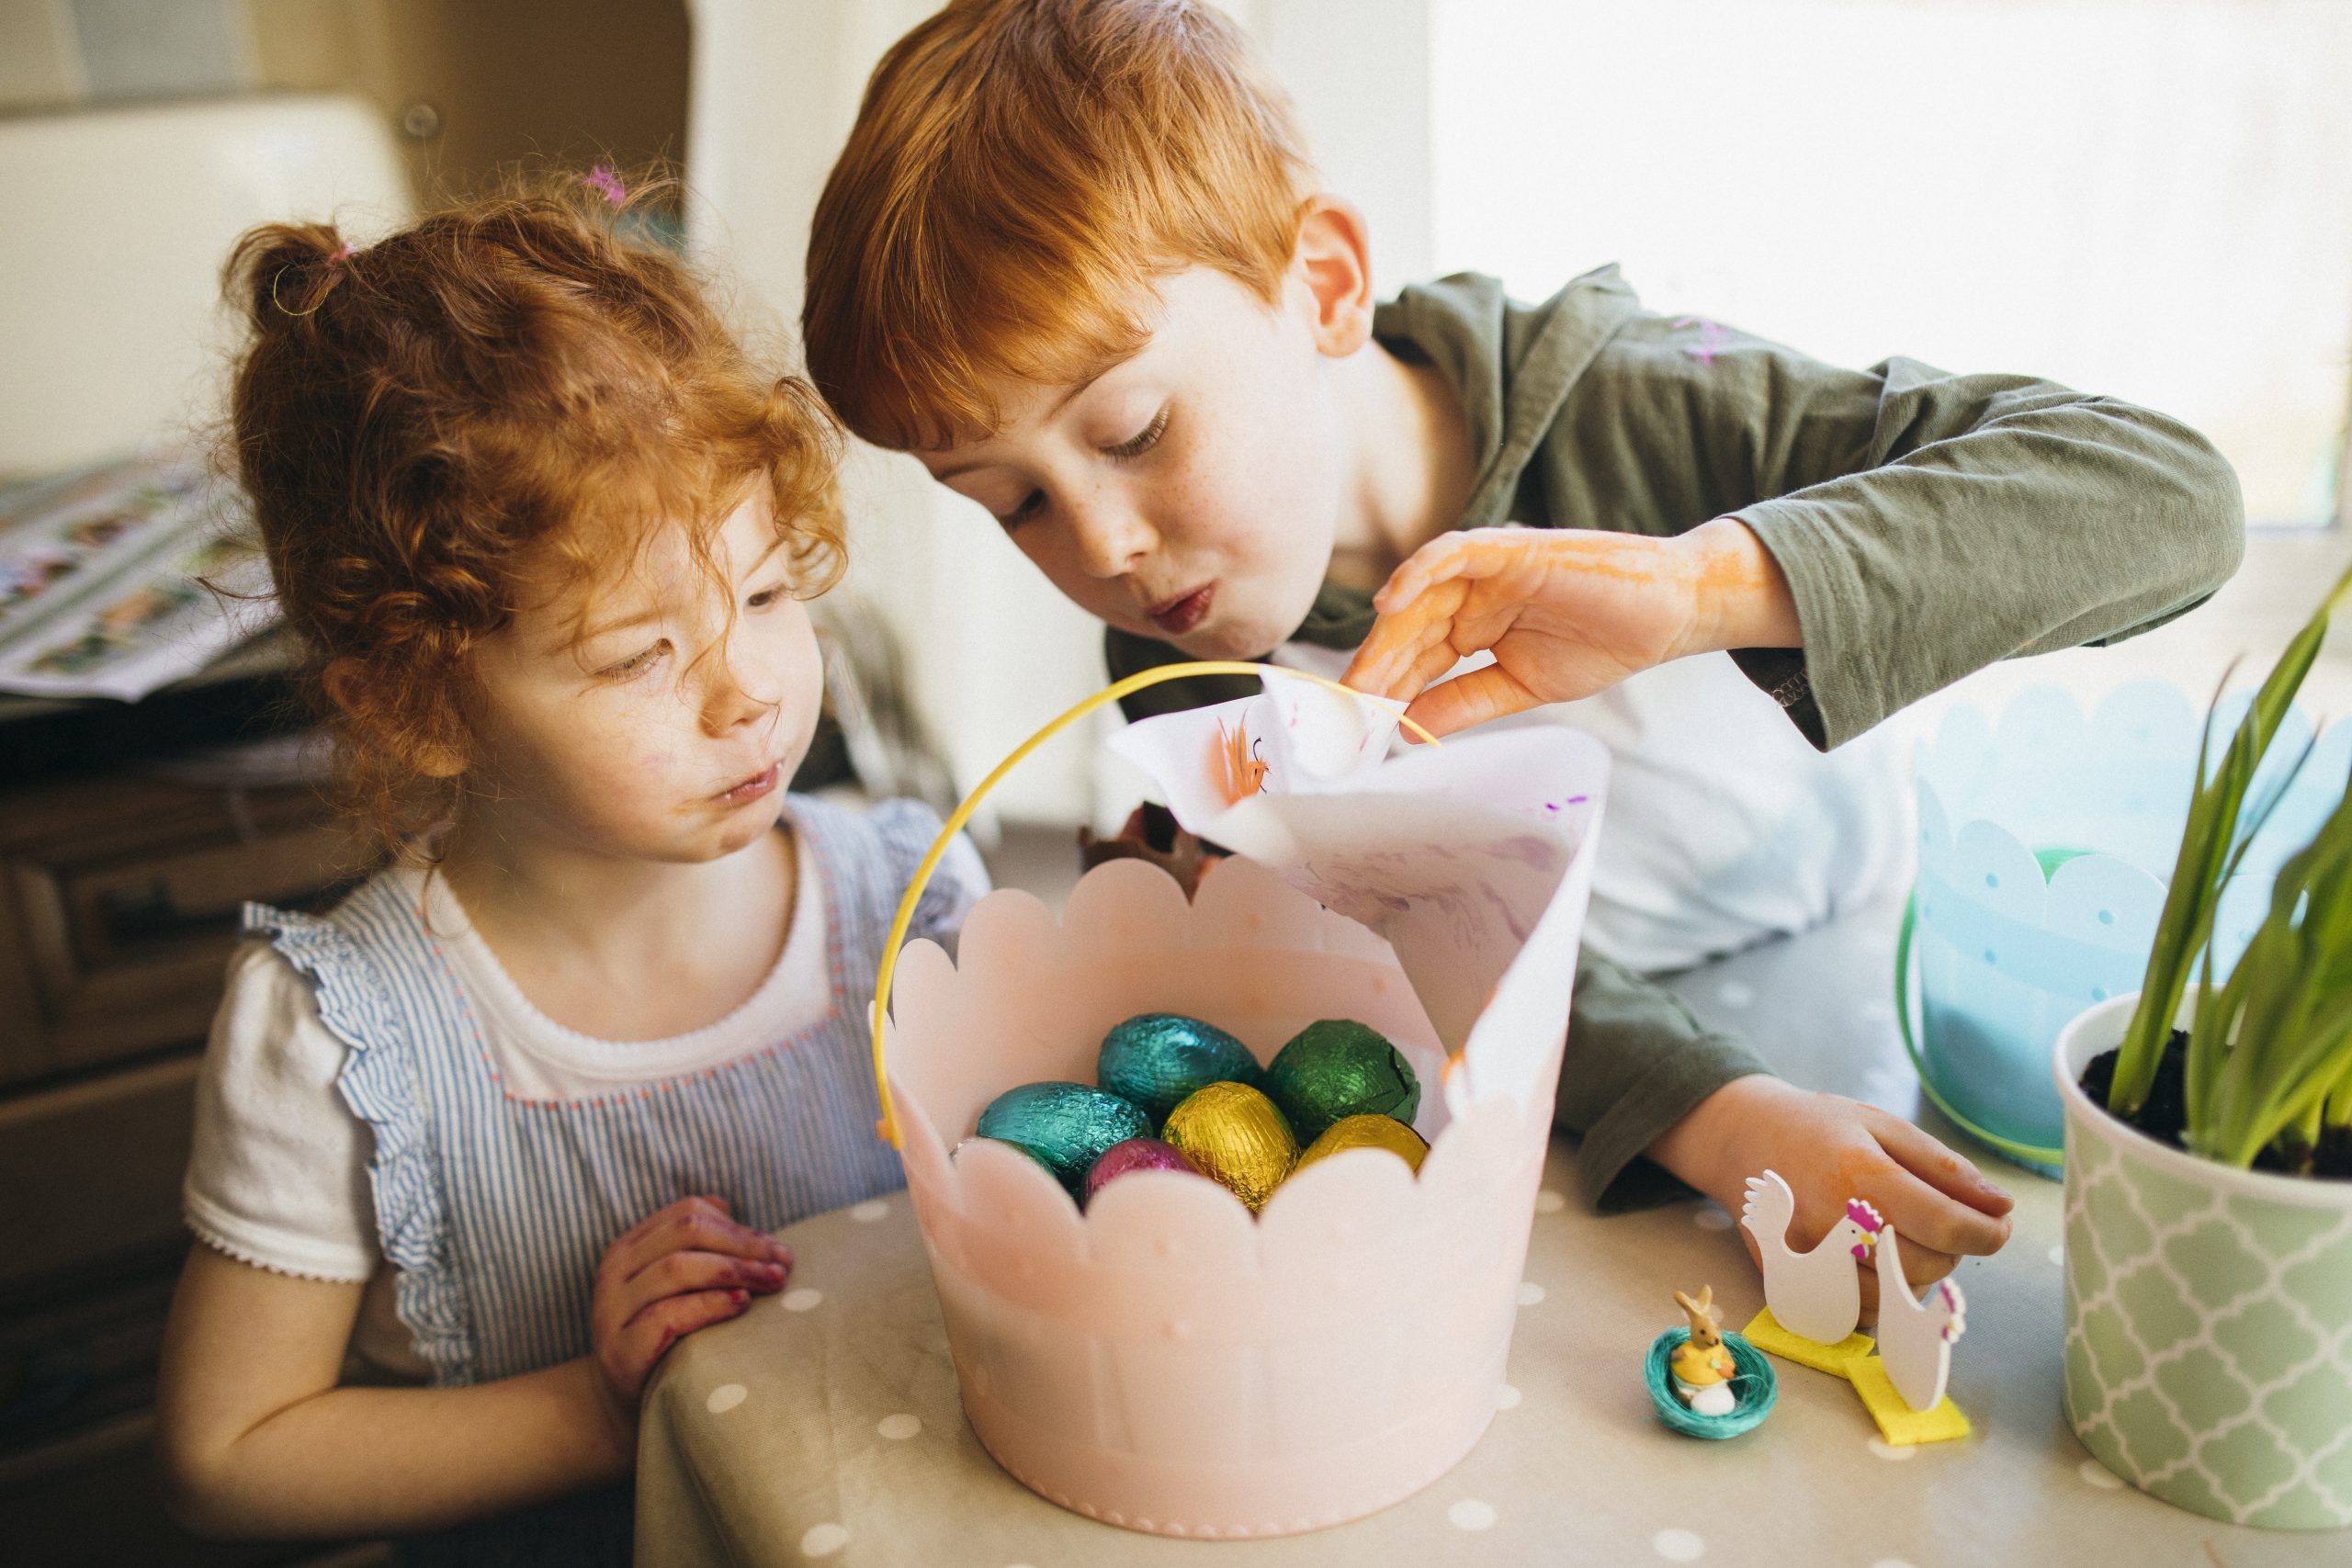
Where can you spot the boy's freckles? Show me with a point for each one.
(1239, 494)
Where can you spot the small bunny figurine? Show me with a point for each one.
(1702, 1369)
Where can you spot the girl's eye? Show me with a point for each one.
(763, 598)
(635, 664)
(1030, 506)
(1142, 441)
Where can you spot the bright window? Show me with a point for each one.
(2151, 199)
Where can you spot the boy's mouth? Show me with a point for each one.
(758, 784)
(1184, 612)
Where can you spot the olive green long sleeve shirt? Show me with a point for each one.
(1928, 524)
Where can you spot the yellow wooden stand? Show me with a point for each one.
(1897, 1422)
(1764, 1332)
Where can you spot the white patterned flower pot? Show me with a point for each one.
(2208, 1316)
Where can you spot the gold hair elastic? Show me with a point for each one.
(343, 255)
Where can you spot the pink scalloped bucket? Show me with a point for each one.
(1163, 1361)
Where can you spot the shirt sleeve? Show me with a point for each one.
(1637, 1062)
(277, 1176)
(1928, 523)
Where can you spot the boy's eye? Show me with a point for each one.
(636, 664)
(1031, 504)
(1142, 441)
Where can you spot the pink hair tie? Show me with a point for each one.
(606, 184)
(346, 252)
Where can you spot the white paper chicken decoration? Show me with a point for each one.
(1815, 1294)
(1914, 1337)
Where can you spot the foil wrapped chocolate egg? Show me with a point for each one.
(1136, 1154)
(1368, 1132)
(1157, 1059)
(1065, 1127)
(1236, 1136)
(1338, 1068)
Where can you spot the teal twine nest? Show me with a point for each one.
(1753, 1384)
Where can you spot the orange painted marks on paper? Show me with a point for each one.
(1234, 764)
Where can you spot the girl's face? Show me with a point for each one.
(636, 718)
(1190, 493)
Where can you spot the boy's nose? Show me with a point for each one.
(1112, 540)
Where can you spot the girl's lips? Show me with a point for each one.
(758, 784)
(1181, 615)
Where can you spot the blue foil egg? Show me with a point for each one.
(1063, 1126)
(1159, 1060)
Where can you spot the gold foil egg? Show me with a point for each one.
(1368, 1132)
(1235, 1134)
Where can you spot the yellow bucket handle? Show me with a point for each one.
(887, 1127)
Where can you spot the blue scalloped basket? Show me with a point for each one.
(2045, 841)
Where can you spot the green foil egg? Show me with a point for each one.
(1158, 1059)
(1339, 1068)
(1063, 1126)
(1235, 1135)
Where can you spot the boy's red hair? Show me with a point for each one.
(1019, 173)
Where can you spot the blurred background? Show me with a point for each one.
(2151, 199)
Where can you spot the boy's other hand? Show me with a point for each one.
(1565, 612)
(680, 1269)
(1831, 1149)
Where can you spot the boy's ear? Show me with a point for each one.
(1333, 259)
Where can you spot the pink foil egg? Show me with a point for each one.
(1136, 1154)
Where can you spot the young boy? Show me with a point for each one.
(1074, 257)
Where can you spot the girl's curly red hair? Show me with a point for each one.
(470, 415)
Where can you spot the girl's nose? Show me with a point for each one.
(731, 695)
(1112, 538)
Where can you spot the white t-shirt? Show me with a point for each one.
(277, 1176)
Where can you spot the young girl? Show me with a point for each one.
(476, 1147)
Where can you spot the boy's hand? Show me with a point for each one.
(1566, 612)
(682, 1267)
(1831, 1149)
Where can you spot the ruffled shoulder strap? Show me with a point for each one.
(872, 855)
(379, 994)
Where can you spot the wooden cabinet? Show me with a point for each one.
(118, 903)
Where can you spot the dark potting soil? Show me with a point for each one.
(2164, 1116)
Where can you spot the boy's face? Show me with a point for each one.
(1190, 493)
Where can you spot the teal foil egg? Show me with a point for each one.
(1063, 1126)
(1158, 1060)
(1339, 1068)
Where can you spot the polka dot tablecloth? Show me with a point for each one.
(823, 1426)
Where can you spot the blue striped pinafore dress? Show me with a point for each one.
(494, 1210)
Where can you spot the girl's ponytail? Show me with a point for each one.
(282, 273)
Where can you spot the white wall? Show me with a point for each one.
(2146, 197)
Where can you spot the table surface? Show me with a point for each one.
(825, 1424)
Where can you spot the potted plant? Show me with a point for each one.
(2209, 1172)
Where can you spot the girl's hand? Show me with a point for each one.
(1831, 1149)
(680, 1269)
(1566, 612)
